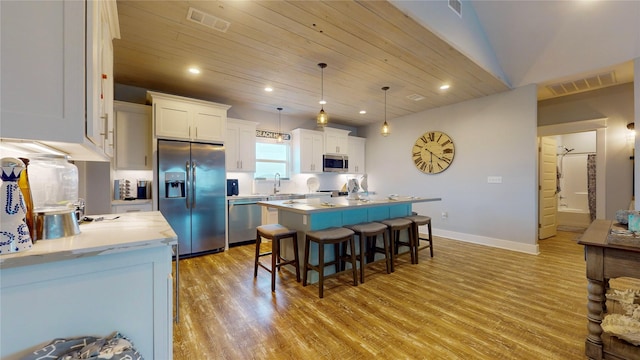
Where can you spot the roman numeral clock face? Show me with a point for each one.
(433, 152)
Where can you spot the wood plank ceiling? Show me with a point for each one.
(366, 45)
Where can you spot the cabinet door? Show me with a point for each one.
(208, 124)
(96, 118)
(240, 145)
(305, 150)
(232, 148)
(247, 148)
(308, 146)
(42, 52)
(336, 141)
(331, 143)
(133, 126)
(356, 155)
(316, 153)
(107, 87)
(99, 128)
(172, 119)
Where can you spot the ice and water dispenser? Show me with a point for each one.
(174, 184)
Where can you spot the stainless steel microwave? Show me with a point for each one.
(335, 163)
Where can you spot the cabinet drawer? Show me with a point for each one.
(119, 209)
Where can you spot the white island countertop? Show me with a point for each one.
(316, 205)
(130, 231)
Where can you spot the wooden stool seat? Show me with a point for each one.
(420, 220)
(396, 225)
(275, 233)
(335, 236)
(368, 232)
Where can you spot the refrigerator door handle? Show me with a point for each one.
(188, 184)
(193, 181)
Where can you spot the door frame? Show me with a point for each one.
(600, 127)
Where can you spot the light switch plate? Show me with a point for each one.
(494, 179)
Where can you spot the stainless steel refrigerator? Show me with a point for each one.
(192, 194)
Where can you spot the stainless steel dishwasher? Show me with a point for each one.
(245, 215)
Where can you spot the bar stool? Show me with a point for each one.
(275, 233)
(420, 220)
(335, 236)
(396, 225)
(368, 232)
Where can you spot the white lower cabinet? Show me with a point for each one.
(130, 292)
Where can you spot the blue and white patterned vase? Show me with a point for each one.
(14, 233)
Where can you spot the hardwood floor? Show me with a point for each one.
(468, 302)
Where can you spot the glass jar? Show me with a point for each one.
(53, 181)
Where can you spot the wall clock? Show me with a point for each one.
(433, 152)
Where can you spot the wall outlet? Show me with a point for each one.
(494, 179)
(445, 215)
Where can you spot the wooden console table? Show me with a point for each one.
(605, 261)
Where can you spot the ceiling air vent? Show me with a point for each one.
(456, 6)
(208, 20)
(589, 83)
(415, 97)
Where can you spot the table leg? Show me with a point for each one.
(595, 310)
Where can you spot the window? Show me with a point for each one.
(272, 158)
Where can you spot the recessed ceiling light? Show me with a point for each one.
(194, 70)
(322, 102)
(268, 89)
(444, 87)
(363, 112)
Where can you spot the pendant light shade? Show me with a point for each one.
(385, 130)
(279, 138)
(322, 119)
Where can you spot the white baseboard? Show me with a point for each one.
(532, 249)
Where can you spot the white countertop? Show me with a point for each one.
(130, 231)
(313, 205)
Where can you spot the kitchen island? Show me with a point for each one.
(316, 214)
(113, 276)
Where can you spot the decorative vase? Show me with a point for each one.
(14, 232)
(352, 188)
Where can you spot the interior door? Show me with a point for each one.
(547, 199)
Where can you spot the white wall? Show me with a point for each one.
(494, 136)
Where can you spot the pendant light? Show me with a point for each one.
(322, 118)
(384, 131)
(279, 138)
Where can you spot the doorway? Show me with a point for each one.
(575, 153)
(576, 141)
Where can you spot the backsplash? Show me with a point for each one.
(297, 184)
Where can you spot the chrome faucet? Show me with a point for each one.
(276, 182)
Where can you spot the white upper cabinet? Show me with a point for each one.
(177, 117)
(308, 146)
(336, 141)
(133, 136)
(356, 155)
(240, 145)
(46, 49)
(102, 28)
